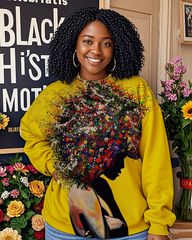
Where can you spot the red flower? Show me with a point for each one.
(39, 234)
(39, 206)
(1, 215)
(30, 168)
(10, 168)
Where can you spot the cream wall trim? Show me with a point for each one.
(164, 42)
(104, 4)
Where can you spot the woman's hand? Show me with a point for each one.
(157, 237)
(55, 177)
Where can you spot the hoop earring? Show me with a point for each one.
(74, 60)
(111, 70)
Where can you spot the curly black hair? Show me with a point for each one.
(128, 48)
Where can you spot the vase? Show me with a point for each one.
(183, 205)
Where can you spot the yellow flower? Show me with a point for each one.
(37, 188)
(20, 167)
(187, 110)
(14, 177)
(38, 223)
(9, 234)
(3, 121)
(15, 209)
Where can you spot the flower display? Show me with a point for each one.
(9, 234)
(22, 191)
(177, 112)
(177, 107)
(37, 188)
(3, 121)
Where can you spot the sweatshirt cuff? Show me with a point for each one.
(50, 168)
(158, 229)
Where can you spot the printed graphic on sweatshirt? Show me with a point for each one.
(90, 129)
(94, 211)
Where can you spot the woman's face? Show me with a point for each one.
(94, 51)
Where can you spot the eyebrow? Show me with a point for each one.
(93, 37)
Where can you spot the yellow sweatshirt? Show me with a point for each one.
(138, 198)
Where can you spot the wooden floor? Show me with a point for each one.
(181, 231)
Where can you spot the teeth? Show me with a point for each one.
(94, 60)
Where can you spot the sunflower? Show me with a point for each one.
(3, 121)
(187, 110)
(9, 233)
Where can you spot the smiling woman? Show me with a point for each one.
(94, 51)
(99, 132)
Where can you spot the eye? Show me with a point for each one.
(106, 44)
(87, 41)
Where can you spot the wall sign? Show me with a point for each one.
(26, 27)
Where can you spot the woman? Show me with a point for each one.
(99, 132)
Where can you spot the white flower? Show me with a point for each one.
(5, 195)
(24, 180)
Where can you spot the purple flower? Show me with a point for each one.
(167, 94)
(182, 84)
(176, 77)
(177, 70)
(183, 69)
(177, 60)
(168, 87)
(173, 97)
(186, 92)
(169, 64)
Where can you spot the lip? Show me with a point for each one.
(94, 60)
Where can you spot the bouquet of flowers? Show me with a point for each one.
(177, 108)
(177, 112)
(22, 190)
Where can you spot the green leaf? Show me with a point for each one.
(182, 103)
(23, 194)
(185, 122)
(27, 204)
(189, 136)
(37, 200)
(28, 214)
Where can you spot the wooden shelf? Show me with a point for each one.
(181, 230)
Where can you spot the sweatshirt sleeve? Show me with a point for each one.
(157, 180)
(37, 147)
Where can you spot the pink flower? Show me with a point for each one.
(30, 168)
(176, 77)
(169, 64)
(177, 70)
(186, 92)
(173, 97)
(168, 88)
(177, 60)
(2, 172)
(182, 84)
(5, 181)
(14, 193)
(183, 69)
(10, 168)
(167, 94)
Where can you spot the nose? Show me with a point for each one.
(96, 50)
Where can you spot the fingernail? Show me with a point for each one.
(58, 181)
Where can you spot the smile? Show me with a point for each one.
(94, 60)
